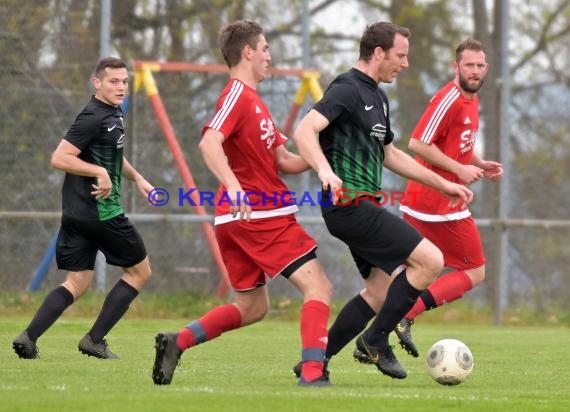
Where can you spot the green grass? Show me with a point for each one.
(516, 369)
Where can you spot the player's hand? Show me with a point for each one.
(103, 187)
(469, 173)
(332, 183)
(239, 206)
(459, 195)
(492, 170)
(144, 186)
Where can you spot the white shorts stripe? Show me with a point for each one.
(436, 218)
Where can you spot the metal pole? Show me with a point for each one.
(305, 178)
(104, 51)
(306, 29)
(105, 30)
(504, 125)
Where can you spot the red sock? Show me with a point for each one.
(314, 337)
(446, 288)
(217, 321)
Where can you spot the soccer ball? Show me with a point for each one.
(449, 361)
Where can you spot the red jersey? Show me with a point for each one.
(450, 122)
(250, 140)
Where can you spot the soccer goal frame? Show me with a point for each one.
(144, 72)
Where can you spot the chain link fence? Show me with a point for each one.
(39, 104)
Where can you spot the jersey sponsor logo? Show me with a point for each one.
(467, 139)
(378, 132)
(121, 141)
(368, 108)
(110, 129)
(267, 132)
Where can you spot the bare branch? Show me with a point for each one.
(543, 39)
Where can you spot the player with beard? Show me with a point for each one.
(444, 141)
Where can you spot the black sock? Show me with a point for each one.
(428, 300)
(115, 306)
(351, 320)
(400, 298)
(50, 310)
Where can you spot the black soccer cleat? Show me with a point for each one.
(167, 358)
(404, 332)
(98, 350)
(24, 347)
(383, 358)
(297, 369)
(321, 381)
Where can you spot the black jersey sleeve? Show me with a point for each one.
(85, 128)
(339, 98)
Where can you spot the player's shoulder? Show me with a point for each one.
(237, 92)
(346, 84)
(94, 114)
(449, 93)
(98, 109)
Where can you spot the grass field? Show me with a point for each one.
(516, 369)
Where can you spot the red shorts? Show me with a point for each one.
(252, 250)
(458, 240)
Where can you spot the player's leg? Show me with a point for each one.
(122, 246)
(384, 242)
(75, 254)
(462, 249)
(313, 283)
(251, 304)
(357, 312)
(249, 307)
(50, 310)
(423, 264)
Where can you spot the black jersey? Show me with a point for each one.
(353, 142)
(99, 133)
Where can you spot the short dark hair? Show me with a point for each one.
(382, 35)
(108, 62)
(469, 44)
(235, 36)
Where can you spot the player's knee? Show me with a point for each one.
(139, 274)
(434, 264)
(145, 275)
(253, 313)
(425, 265)
(476, 275)
(77, 283)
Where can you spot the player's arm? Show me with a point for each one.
(289, 162)
(132, 174)
(491, 170)
(433, 155)
(66, 158)
(306, 138)
(216, 160)
(406, 166)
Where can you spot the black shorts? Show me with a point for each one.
(375, 236)
(79, 240)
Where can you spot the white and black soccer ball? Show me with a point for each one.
(449, 361)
